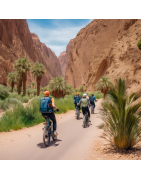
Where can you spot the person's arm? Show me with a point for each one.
(74, 99)
(95, 99)
(78, 104)
(53, 104)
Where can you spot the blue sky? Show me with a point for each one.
(56, 33)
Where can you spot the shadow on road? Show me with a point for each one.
(52, 143)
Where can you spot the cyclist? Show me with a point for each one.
(46, 108)
(84, 102)
(92, 100)
(76, 100)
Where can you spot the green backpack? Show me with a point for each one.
(84, 102)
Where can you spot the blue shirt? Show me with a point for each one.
(94, 98)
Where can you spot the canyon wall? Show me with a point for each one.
(106, 48)
(16, 41)
(64, 57)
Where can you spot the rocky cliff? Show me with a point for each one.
(64, 57)
(106, 48)
(48, 58)
(16, 41)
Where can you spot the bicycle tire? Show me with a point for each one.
(84, 122)
(46, 137)
(77, 113)
(92, 110)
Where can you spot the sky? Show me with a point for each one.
(56, 33)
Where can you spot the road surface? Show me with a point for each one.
(73, 143)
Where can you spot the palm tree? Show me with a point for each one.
(58, 87)
(81, 89)
(34, 91)
(69, 89)
(22, 66)
(104, 85)
(28, 92)
(33, 84)
(122, 117)
(12, 80)
(38, 70)
(19, 82)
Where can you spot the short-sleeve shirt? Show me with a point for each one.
(52, 101)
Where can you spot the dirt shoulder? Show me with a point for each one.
(103, 150)
(12, 136)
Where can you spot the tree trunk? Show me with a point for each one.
(24, 77)
(12, 86)
(19, 85)
(38, 85)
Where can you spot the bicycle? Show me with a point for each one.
(92, 108)
(77, 112)
(85, 119)
(48, 131)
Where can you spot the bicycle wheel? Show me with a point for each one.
(46, 137)
(77, 113)
(84, 122)
(92, 109)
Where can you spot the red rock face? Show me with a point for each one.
(48, 58)
(16, 41)
(64, 57)
(106, 48)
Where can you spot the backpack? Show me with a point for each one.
(84, 103)
(77, 99)
(91, 100)
(45, 105)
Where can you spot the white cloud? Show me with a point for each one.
(56, 38)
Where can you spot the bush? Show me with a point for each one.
(21, 117)
(13, 101)
(4, 105)
(122, 117)
(139, 44)
(3, 92)
(25, 99)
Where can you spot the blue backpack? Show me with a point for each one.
(77, 99)
(45, 105)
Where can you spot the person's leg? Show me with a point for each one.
(46, 118)
(52, 117)
(83, 111)
(79, 108)
(88, 112)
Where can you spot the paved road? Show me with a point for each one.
(73, 141)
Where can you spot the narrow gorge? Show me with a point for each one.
(106, 48)
(17, 41)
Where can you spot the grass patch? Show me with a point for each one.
(29, 116)
(21, 117)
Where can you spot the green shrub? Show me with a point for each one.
(98, 94)
(139, 44)
(4, 104)
(3, 92)
(13, 101)
(25, 99)
(21, 117)
(15, 95)
(122, 117)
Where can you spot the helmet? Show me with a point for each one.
(84, 95)
(46, 93)
(77, 93)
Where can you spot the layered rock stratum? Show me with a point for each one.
(106, 48)
(16, 41)
(64, 57)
